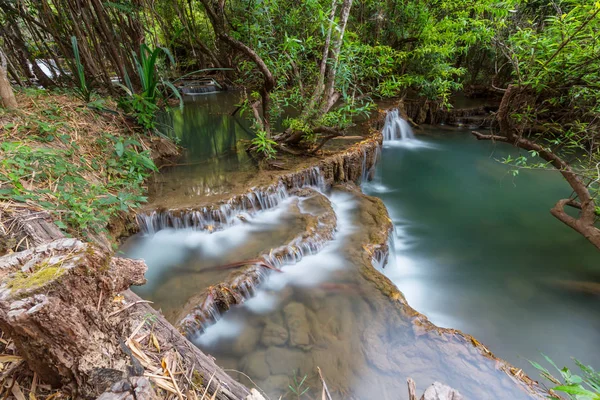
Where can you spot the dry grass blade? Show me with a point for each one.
(155, 341)
(16, 391)
(136, 349)
(128, 306)
(214, 396)
(208, 385)
(325, 390)
(164, 384)
(6, 358)
(166, 365)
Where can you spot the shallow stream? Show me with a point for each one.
(474, 249)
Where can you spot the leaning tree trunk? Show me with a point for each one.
(6, 93)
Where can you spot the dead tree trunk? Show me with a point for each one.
(51, 300)
(6, 93)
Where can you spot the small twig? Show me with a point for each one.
(412, 389)
(126, 307)
(324, 384)
(99, 301)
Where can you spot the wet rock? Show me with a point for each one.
(276, 385)
(274, 335)
(287, 361)
(439, 391)
(316, 329)
(297, 323)
(247, 341)
(255, 365)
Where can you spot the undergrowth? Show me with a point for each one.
(582, 386)
(59, 155)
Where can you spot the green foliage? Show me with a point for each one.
(67, 190)
(553, 52)
(297, 388)
(264, 144)
(82, 91)
(154, 89)
(576, 387)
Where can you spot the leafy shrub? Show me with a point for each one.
(577, 387)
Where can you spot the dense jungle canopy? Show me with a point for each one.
(329, 60)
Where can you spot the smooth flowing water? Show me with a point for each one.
(478, 250)
(474, 248)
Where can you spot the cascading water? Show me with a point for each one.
(396, 128)
(229, 213)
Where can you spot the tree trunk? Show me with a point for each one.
(6, 93)
(51, 307)
(216, 14)
(320, 86)
(585, 223)
(329, 99)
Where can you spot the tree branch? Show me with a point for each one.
(585, 224)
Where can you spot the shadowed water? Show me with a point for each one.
(212, 161)
(478, 250)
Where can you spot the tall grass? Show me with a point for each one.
(82, 91)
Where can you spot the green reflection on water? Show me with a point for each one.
(478, 250)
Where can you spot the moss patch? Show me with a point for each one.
(43, 274)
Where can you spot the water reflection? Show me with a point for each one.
(212, 161)
(477, 250)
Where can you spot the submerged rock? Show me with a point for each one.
(255, 365)
(297, 323)
(274, 335)
(286, 361)
(247, 342)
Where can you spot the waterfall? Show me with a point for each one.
(228, 213)
(396, 128)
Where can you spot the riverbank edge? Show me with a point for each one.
(347, 166)
(351, 165)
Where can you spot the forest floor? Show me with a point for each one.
(82, 166)
(80, 169)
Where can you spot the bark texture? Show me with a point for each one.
(6, 93)
(51, 300)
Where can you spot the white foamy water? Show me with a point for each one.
(310, 271)
(396, 128)
(398, 133)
